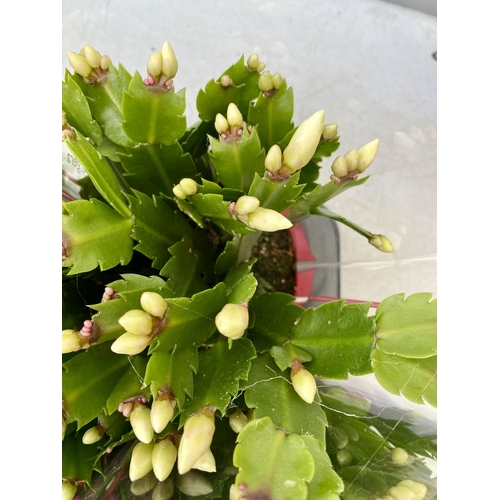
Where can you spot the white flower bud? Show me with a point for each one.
(179, 192)
(141, 461)
(226, 81)
(206, 462)
(137, 322)
(72, 341)
(401, 493)
(260, 67)
(351, 158)
(162, 411)
(140, 420)
(163, 458)
(265, 219)
(130, 344)
(253, 61)
(380, 242)
(246, 204)
(93, 435)
(367, 154)
(303, 382)
(330, 131)
(234, 117)
(105, 62)
(339, 167)
(266, 82)
(155, 64)
(170, 64)
(154, 304)
(92, 56)
(399, 456)
(419, 489)
(232, 320)
(79, 64)
(273, 161)
(277, 80)
(189, 186)
(237, 420)
(68, 490)
(221, 124)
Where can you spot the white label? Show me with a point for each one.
(72, 172)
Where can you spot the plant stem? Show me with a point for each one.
(326, 213)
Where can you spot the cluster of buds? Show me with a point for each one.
(108, 294)
(247, 210)
(300, 149)
(141, 325)
(230, 128)
(162, 67)
(354, 162)
(73, 340)
(269, 84)
(89, 64)
(406, 490)
(186, 187)
(254, 64)
(232, 320)
(67, 131)
(303, 382)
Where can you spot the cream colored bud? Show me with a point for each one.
(419, 489)
(330, 131)
(130, 344)
(339, 167)
(179, 192)
(344, 458)
(193, 484)
(141, 461)
(144, 484)
(401, 493)
(303, 143)
(164, 490)
(92, 56)
(273, 161)
(380, 242)
(221, 124)
(237, 420)
(68, 490)
(72, 341)
(79, 64)
(304, 384)
(260, 67)
(163, 458)
(253, 61)
(140, 420)
(232, 321)
(170, 64)
(246, 204)
(93, 435)
(351, 158)
(399, 456)
(155, 64)
(234, 492)
(137, 322)
(226, 81)
(367, 154)
(234, 117)
(206, 462)
(105, 62)
(154, 304)
(277, 80)
(266, 82)
(189, 186)
(162, 411)
(265, 219)
(195, 440)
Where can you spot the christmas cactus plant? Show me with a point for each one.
(186, 373)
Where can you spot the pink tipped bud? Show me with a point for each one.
(246, 204)
(367, 155)
(154, 304)
(193, 484)
(141, 461)
(380, 242)
(303, 143)
(93, 435)
(68, 490)
(206, 462)
(189, 186)
(137, 322)
(419, 489)
(253, 61)
(130, 344)
(92, 56)
(162, 411)
(232, 321)
(339, 167)
(265, 219)
(140, 420)
(79, 64)
(170, 64)
(352, 159)
(273, 161)
(196, 439)
(163, 458)
(155, 64)
(266, 82)
(329, 132)
(234, 117)
(303, 382)
(277, 80)
(237, 420)
(221, 124)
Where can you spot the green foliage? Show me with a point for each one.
(134, 242)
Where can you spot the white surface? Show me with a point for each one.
(367, 63)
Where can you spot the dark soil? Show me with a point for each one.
(275, 262)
